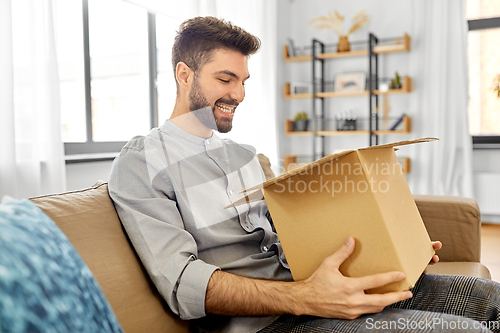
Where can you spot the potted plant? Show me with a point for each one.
(335, 22)
(301, 122)
(396, 83)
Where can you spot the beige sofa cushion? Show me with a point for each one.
(456, 222)
(89, 220)
(460, 268)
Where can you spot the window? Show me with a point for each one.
(107, 67)
(484, 69)
(166, 29)
(118, 69)
(69, 48)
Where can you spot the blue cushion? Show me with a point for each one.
(44, 284)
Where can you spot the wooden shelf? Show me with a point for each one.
(341, 94)
(333, 133)
(306, 57)
(406, 88)
(289, 129)
(290, 163)
(402, 44)
(343, 54)
(288, 95)
(406, 128)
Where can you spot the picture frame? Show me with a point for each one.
(350, 82)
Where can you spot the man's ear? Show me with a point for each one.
(184, 75)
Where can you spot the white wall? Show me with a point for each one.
(83, 175)
(486, 160)
(487, 188)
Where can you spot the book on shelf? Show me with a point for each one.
(396, 124)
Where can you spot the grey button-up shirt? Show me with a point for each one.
(170, 189)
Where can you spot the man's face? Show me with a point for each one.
(219, 84)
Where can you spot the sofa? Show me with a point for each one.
(89, 220)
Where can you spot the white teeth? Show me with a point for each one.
(226, 109)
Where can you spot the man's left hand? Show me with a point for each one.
(436, 245)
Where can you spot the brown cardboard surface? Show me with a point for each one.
(361, 193)
(400, 214)
(313, 225)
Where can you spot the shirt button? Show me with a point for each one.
(231, 192)
(265, 248)
(207, 142)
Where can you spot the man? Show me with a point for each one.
(224, 268)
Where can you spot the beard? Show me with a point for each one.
(198, 104)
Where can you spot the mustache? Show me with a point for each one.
(227, 101)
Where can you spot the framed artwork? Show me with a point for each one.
(345, 82)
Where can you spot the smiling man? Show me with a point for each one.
(225, 73)
(224, 269)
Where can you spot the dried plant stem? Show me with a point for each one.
(335, 21)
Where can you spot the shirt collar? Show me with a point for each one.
(169, 127)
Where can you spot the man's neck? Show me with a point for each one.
(183, 118)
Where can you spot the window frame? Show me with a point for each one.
(106, 147)
(485, 141)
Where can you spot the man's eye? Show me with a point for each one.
(225, 81)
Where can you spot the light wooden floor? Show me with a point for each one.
(490, 249)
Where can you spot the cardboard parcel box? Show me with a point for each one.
(361, 193)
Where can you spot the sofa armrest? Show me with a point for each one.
(456, 222)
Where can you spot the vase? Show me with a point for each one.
(301, 125)
(343, 45)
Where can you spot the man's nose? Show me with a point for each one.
(238, 93)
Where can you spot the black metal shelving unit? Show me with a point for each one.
(321, 90)
(372, 85)
(372, 81)
(321, 81)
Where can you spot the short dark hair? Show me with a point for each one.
(198, 37)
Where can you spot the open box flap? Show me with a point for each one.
(400, 143)
(328, 158)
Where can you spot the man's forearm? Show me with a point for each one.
(326, 293)
(233, 295)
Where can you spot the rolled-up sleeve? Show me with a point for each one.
(148, 211)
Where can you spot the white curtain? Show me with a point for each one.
(255, 119)
(440, 99)
(31, 150)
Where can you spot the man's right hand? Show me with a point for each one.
(327, 293)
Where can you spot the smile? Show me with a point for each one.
(229, 110)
